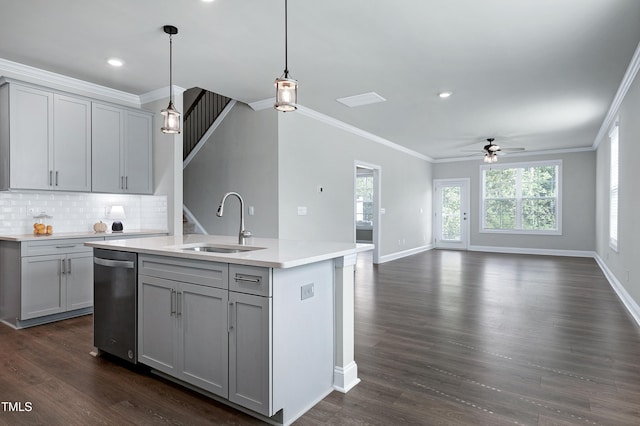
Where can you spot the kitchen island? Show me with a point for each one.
(266, 327)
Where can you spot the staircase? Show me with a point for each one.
(205, 109)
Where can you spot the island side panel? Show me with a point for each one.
(303, 341)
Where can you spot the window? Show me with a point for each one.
(521, 198)
(364, 198)
(613, 189)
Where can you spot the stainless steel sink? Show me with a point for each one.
(211, 248)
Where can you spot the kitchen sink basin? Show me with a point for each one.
(211, 248)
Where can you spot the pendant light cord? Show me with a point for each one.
(170, 69)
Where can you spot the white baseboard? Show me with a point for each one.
(622, 293)
(345, 378)
(404, 253)
(543, 252)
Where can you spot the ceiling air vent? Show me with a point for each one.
(362, 99)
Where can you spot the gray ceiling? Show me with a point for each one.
(539, 74)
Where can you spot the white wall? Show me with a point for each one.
(241, 156)
(578, 203)
(312, 153)
(167, 164)
(623, 264)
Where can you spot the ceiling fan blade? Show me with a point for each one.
(511, 149)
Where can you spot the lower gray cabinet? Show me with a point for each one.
(56, 283)
(250, 362)
(182, 331)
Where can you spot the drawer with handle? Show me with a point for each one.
(250, 279)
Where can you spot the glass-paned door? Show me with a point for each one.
(451, 211)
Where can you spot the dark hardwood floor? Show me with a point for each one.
(442, 338)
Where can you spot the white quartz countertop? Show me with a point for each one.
(272, 253)
(86, 234)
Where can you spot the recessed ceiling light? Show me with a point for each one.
(363, 99)
(208, 1)
(445, 95)
(115, 62)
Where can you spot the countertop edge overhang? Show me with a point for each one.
(273, 253)
(87, 234)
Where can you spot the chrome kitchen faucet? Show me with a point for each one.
(243, 232)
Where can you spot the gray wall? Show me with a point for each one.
(241, 156)
(578, 202)
(624, 263)
(313, 153)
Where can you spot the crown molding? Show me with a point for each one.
(159, 94)
(627, 80)
(478, 157)
(16, 70)
(262, 104)
(359, 132)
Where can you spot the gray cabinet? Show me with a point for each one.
(46, 140)
(192, 327)
(250, 352)
(59, 280)
(122, 150)
(182, 326)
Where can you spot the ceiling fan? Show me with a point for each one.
(491, 151)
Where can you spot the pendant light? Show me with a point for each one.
(286, 88)
(171, 114)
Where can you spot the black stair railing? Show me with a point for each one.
(199, 117)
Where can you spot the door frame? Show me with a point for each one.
(465, 218)
(377, 196)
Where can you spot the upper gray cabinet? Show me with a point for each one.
(45, 140)
(55, 141)
(122, 150)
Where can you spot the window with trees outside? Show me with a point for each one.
(364, 199)
(522, 198)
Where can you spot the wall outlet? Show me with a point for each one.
(302, 211)
(320, 189)
(251, 211)
(306, 291)
(382, 210)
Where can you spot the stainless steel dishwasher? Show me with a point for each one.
(115, 303)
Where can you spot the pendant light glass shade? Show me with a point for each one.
(171, 115)
(171, 119)
(286, 94)
(286, 88)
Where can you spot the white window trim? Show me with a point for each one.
(558, 231)
(615, 131)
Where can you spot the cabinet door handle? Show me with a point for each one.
(62, 269)
(173, 301)
(179, 308)
(56, 178)
(69, 266)
(126, 183)
(50, 177)
(121, 182)
(230, 318)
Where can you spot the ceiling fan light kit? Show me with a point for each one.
(286, 87)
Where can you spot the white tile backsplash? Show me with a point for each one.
(77, 212)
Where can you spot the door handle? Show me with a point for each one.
(56, 178)
(179, 308)
(126, 183)
(62, 268)
(50, 177)
(173, 301)
(230, 318)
